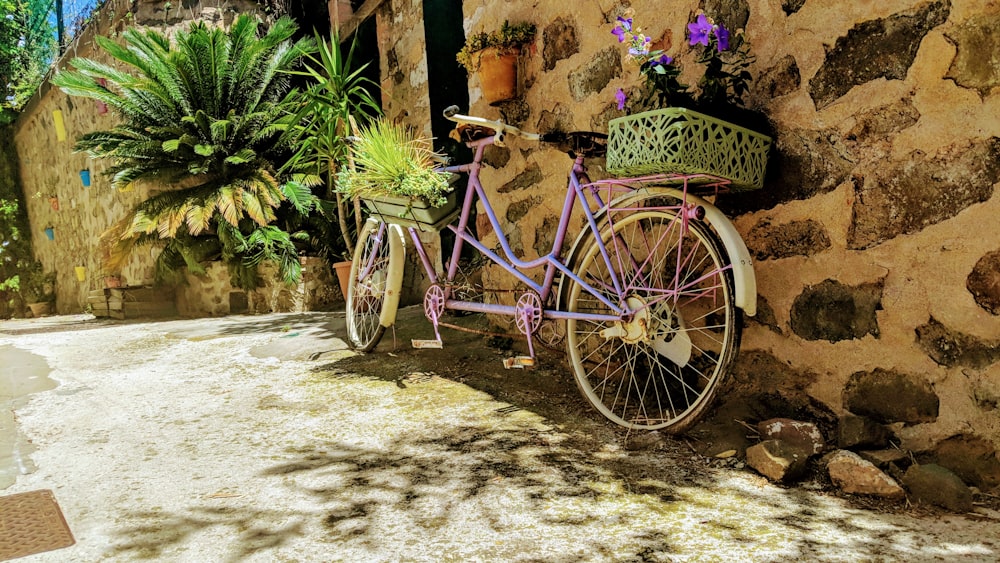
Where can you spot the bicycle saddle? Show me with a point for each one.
(588, 143)
(468, 133)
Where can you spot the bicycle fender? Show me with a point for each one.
(394, 277)
(744, 278)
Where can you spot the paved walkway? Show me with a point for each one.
(260, 439)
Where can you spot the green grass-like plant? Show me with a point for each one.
(391, 159)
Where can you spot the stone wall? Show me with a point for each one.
(877, 260)
(51, 168)
(211, 293)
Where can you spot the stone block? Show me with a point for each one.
(854, 475)
(834, 312)
(890, 396)
(855, 431)
(804, 436)
(777, 460)
(882, 458)
(887, 47)
(936, 485)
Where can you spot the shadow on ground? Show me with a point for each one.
(542, 478)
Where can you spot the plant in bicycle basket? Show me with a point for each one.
(725, 56)
(391, 160)
(665, 132)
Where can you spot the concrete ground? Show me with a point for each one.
(262, 438)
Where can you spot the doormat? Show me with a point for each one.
(31, 523)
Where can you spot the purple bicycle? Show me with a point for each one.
(649, 295)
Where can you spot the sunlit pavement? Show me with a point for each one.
(244, 439)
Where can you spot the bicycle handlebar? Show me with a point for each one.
(501, 128)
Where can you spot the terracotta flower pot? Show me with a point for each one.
(343, 270)
(40, 309)
(498, 75)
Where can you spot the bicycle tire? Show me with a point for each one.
(662, 369)
(376, 279)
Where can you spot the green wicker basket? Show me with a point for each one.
(678, 140)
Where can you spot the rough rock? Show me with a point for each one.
(953, 348)
(977, 40)
(765, 316)
(804, 436)
(734, 14)
(922, 190)
(936, 485)
(781, 79)
(984, 282)
(797, 238)
(887, 47)
(531, 176)
(803, 163)
(517, 210)
(833, 311)
(792, 6)
(855, 431)
(854, 475)
(594, 75)
(972, 458)
(559, 41)
(882, 458)
(777, 460)
(890, 396)
(884, 121)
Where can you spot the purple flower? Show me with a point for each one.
(620, 97)
(663, 60)
(624, 26)
(722, 34)
(699, 30)
(640, 46)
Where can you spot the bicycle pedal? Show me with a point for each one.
(419, 344)
(519, 362)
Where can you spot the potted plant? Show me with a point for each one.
(494, 56)
(393, 174)
(38, 289)
(675, 129)
(328, 109)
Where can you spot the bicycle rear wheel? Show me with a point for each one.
(660, 368)
(376, 278)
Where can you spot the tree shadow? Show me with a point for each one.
(510, 491)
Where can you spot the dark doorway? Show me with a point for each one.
(447, 80)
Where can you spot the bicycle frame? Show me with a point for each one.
(648, 294)
(580, 191)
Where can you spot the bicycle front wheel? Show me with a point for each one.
(376, 278)
(659, 368)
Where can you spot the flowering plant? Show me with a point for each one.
(725, 56)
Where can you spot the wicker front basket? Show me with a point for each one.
(678, 140)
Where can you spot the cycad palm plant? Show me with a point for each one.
(200, 120)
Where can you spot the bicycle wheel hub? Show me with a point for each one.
(634, 330)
